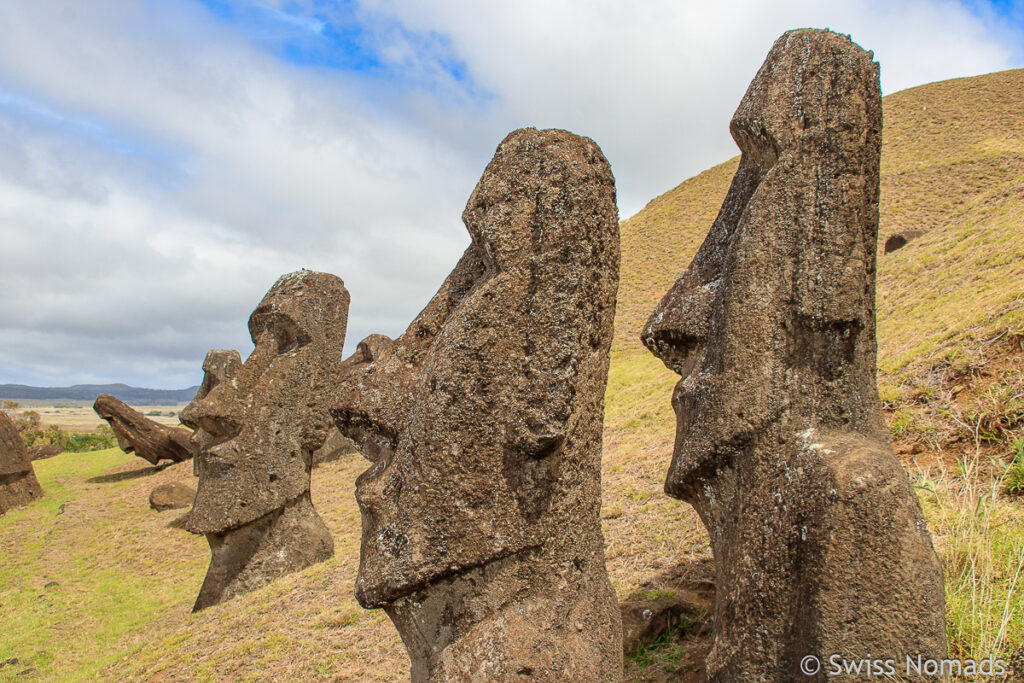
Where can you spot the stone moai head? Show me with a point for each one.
(775, 315)
(219, 366)
(819, 542)
(483, 420)
(256, 432)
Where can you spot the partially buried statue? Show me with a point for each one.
(819, 542)
(18, 483)
(481, 531)
(255, 433)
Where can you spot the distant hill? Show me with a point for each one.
(88, 392)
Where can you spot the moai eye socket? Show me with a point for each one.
(287, 333)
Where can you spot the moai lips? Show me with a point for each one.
(481, 531)
(819, 542)
(256, 432)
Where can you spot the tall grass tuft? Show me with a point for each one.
(979, 534)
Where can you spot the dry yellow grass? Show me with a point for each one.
(84, 418)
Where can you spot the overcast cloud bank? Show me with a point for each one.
(161, 164)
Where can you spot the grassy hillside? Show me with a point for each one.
(951, 331)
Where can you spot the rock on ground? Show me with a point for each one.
(172, 496)
(901, 239)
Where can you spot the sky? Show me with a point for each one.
(162, 162)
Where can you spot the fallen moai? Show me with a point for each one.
(819, 542)
(481, 533)
(18, 483)
(137, 434)
(255, 436)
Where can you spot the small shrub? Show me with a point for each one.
(901, 423)
(1013, 478)
(71, 442)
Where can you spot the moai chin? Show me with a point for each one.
(481, 530)
(819, 542)
(255, 433)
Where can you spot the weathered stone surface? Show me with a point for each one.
(481, 536)
(172, 496)
(900, 239)
(44, 452)
(335, 446)
(18, 483)
(219, 366)
(819, 542)
(137, 434)
(255, 436)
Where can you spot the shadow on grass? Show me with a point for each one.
(123, 476)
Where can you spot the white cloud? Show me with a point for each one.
(160, 167)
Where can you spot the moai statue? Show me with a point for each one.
(819, 542)
(255, 436)
(219, 366)
(18, 483)
(481, 531)
(137, 434)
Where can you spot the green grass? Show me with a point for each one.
(76, 579)
(979, 533)
(1013, 478)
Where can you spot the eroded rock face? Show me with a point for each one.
(137, 434)
(335, 446)
(172, 496)
(901, 239)
(255, 437)
(219, 366)
(481, 537)
(18, 483)
(819, 542)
